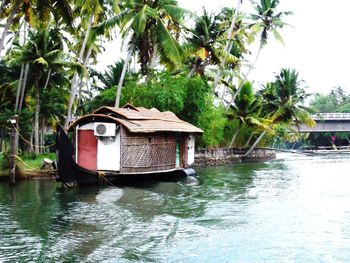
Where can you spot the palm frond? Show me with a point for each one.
(41, 61)
(42, 11)
(142, 18)
(63, 8)
(169, 49)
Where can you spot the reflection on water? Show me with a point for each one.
(293, 209)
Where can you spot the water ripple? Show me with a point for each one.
(294, 209)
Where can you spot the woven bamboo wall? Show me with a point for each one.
(147, 152)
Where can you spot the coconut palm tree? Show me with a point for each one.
(266, 19)
(150, 28)
(231, 34)
(247, 111)
(44, 53)
(200, 43)
(283, 102)
(92, 14)
(36, 13)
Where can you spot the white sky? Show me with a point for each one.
(318, 44)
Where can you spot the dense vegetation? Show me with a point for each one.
(193, 65)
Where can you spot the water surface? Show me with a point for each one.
(293, 209)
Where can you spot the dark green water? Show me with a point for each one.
(295, 209)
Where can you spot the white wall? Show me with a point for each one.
(108, 153)
(190, 149)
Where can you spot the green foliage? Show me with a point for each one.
(322, 103)
(336, 101)
(212, 121)
(343, 108)
(162, 91)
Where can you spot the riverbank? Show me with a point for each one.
(28, 166)
(227, 156)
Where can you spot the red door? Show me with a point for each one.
(87, 149)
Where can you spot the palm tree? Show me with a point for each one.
(247, 111)
(103, 83)
(110, 77)
(283, 102)
(229, 38)
(266, 19)
(151, 28)
(36, 13)
(92, 14)
(203, 46)
(44, 52)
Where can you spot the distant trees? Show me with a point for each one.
(337, 100)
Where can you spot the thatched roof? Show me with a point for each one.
(141, 120)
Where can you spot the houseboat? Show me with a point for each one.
(114, 144)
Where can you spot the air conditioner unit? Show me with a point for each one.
(104, 129)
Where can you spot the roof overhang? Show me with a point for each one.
(140, 126)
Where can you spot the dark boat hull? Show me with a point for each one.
(70, 173)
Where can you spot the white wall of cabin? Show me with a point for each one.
(190, 149)
(108, 153)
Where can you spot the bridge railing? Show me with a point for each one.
(331, 116)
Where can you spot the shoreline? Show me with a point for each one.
(203, 158)
(227, 156)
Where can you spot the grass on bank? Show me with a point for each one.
(27, 162)
(36, 160)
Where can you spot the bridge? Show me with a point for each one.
(328, 122)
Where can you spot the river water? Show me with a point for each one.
(293, 209)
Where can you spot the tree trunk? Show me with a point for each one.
(19, 87)
(14, 149)
(245, 78)
(122, 76)
(7, 26)
(1, 139)
(193, 70)
(80, 86)
(222, 98)
(23, 88)
(73, 90)
(249, 139)
(71, 100)
(255, 144)
(83, 46)
(153, 63)
(234, 138)
(228, 40)
(31, 149)
(42, 143)
(48, 78)
(36, 119)
(2, 6)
